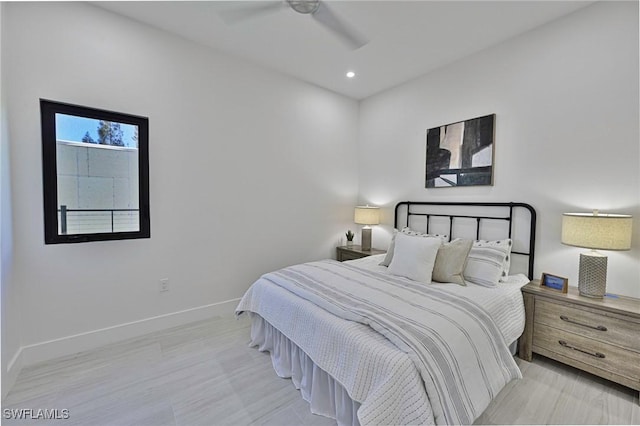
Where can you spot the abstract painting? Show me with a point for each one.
(461, 154)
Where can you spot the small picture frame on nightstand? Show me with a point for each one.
(554, 282)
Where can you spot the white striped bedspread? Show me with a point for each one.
(428, 339)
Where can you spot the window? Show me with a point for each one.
(95, 174)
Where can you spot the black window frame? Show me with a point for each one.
(48, 111)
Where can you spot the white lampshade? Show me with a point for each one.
(366, 215)
(597, 231)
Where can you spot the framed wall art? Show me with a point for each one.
(461, 154)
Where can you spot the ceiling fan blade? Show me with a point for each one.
(352, 37)
(250, 10)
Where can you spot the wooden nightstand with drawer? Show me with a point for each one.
(600, 336)
(354, 252)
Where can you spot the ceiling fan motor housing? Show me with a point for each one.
(304, 6)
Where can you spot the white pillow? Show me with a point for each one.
(414, 258)
(487, 262)
(389, 256)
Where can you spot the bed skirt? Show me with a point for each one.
(324, 394)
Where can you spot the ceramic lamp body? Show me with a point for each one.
(592, 276)
(366, 238)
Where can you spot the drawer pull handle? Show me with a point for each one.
(594, 354)
(595, 327)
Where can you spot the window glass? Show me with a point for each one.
(95, 166)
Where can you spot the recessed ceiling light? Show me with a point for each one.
(351, 74)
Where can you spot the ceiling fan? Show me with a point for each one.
(317, 9)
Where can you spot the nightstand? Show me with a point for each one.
(355, 252)
(600, 336)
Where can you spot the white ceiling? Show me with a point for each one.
(407, 38)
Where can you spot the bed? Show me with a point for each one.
(372, 341)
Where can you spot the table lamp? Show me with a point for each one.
(366, 215)
(595, 231)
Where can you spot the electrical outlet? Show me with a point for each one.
(163, 285)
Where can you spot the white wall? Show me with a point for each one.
(249, 171)
(567, 138)
(9, 295)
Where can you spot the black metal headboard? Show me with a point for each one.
(482, 213)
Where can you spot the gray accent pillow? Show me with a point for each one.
(451, 261)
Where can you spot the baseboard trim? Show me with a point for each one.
(13, 369)
(68, 345)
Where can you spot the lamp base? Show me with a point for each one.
(366, 238)
(592, 277)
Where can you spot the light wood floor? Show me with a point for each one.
(205, 374)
